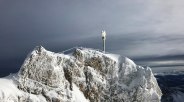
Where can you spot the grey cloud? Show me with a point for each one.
(135, 29)
(166, 62)
(160, 58)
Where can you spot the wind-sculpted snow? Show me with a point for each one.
(82, 76)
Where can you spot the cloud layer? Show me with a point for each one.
(138, 29)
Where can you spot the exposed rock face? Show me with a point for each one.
(99, 77)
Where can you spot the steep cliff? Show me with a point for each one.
(81, 76)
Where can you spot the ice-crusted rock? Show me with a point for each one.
(85, 75)
(114, 78)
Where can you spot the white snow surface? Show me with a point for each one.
(86, 75)
(8, 90)
(78, 96)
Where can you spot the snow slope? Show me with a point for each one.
(81, 76)
(172, 86)
(8, 90)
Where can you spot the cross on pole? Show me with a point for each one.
(103, 38)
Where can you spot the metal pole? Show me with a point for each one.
(103, 38)
(104, 45)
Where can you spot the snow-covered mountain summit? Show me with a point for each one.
(85, 75)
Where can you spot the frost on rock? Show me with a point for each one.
(112, 78)
(86, 75)
(43, 73)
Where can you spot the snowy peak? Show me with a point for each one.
(85, 75)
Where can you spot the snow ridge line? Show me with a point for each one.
(68, 49)
(83, 48)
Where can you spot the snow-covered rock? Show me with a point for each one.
(85, 75)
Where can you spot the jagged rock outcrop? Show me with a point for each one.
(85, 75)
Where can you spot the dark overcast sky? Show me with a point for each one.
(148, 31)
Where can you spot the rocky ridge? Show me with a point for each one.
(82, 76)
